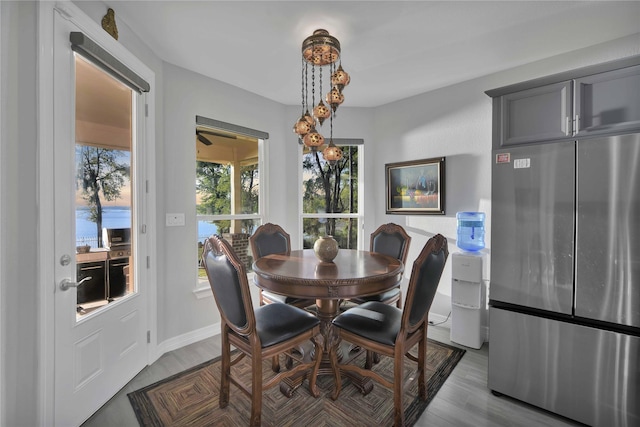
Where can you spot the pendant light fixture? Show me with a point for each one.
(320, 53)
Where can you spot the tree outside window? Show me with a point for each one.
(331, 190)
(214, 189)
(101, 173)
(227, 188)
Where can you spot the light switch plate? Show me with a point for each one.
(175, 219)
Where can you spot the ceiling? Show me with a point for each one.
(392, 49)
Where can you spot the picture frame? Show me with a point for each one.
(416, 187)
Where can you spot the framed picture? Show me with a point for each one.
(415, 187)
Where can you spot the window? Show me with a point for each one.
(228, 190)
(105, 172)
(331, 197)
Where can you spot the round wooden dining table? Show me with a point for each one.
(352, 273)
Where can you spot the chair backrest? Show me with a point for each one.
(423, 284)
(270, 239)
(228, 279)
(392, 240)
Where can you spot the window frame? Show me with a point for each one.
(202, 288)
(360, 194)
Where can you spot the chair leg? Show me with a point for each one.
(275, 364)
(368, 364)
(256, 390)
(398, 367)
(261, 298)
(372, 359)
(336, 373)
(288, 362)
(225, 367)
(422, 380)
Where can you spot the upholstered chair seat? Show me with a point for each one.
(374, 321)
(276, 323)
(393, 294)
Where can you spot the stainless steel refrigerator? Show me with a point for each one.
(565, 278)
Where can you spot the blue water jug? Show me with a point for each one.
(470, 231)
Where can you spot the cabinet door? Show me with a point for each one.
(609, 102)
(94, 287)
(538, 114)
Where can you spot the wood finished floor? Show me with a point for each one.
(464, 399)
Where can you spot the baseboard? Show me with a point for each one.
(212, 330)
(188, 338)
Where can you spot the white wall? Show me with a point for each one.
(19, 220)
(190, 94)
(455, 122)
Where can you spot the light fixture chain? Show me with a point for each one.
(302, 84)
(320, 91)
(313, 85)
(331, 127)
(306, 84)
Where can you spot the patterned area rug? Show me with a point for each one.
(190, 398)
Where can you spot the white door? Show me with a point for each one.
(100, 325)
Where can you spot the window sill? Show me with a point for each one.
(203, 292)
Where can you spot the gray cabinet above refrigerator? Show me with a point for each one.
(592, 101)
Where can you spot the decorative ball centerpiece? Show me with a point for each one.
(326, 248)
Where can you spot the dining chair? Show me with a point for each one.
(393, 332)
(272, 239)
(392, 240)
(261, 333)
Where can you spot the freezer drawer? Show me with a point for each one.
(586, 374)
(532, 226)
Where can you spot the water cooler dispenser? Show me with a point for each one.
(468, 299)
(468, 287)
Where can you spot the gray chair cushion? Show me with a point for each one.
(379, 297)
(279, 322)
(280, 298)
(225, 285)
(426, 285)
(389, 244)
(267, 244)
(372, 320)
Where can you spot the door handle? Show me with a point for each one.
(67, 283)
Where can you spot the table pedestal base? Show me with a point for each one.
(327, 311)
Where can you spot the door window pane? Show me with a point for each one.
(103, 186)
